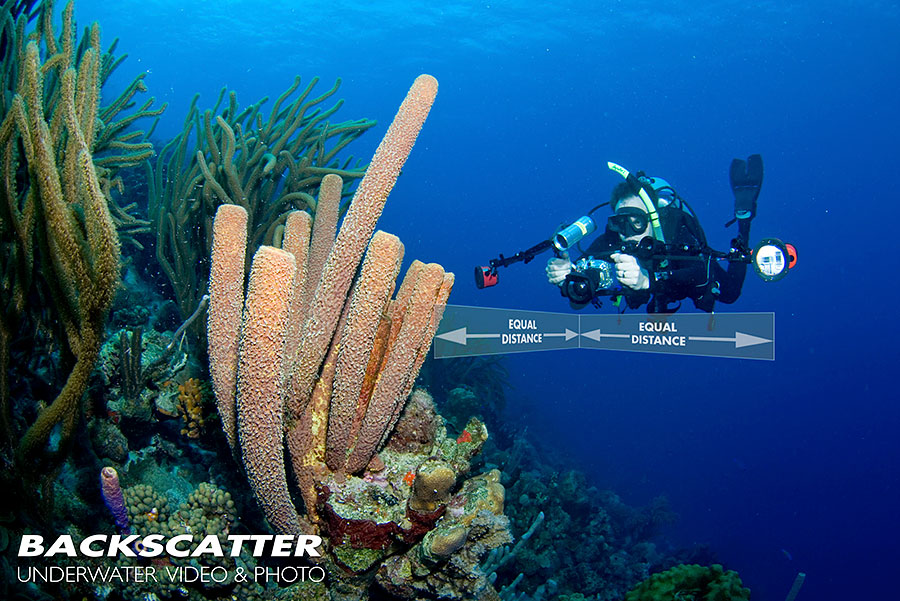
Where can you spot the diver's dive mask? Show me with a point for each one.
(629, 221)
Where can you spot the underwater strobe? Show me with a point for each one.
(772, 259)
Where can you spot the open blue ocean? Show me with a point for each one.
(772, 467)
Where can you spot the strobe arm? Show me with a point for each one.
(487, 276)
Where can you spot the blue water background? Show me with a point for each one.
(798, 454)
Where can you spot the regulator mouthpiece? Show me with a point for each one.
(565, 238)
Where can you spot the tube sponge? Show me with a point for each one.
(114, 499)
(795, 589)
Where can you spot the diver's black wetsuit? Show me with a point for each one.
(685, 275)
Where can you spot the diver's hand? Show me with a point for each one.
(558, 269)
(630, 273)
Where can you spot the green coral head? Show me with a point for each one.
(691, 582)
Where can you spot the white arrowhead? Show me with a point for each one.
(593, 334)
(457, 336)
(741, 340)
(570, 334)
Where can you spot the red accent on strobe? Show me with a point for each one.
(490, 279)
(792, 255)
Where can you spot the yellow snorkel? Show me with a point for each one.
(645, 198)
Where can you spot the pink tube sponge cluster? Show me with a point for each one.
(317, 354)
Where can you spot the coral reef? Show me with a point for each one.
(467, 386)
(58, 222)
(407, 526)
(316, 362)
(206, 510)
(145, 382)
(697, 582)
(193, 398)
(417, 429)
(589, 541)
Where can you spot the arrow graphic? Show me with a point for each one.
(740, 339)
(470, 331)
(569, 334)
(596, 335)
(460, 336)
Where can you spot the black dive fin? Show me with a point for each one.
(746, 180)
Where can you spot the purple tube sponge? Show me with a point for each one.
(115, 500)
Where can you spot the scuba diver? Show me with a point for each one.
(632, 242)
(654, 251)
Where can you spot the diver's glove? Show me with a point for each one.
(630, 273)
(558, 268)
(746, 180)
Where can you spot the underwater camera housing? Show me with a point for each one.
(589, 278)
